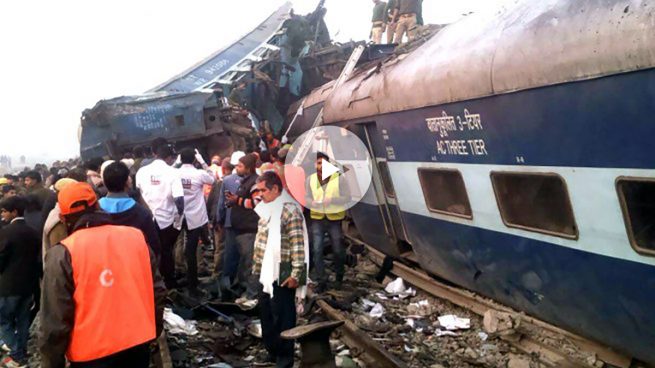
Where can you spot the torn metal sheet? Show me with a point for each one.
(219, 63)
(129, 121)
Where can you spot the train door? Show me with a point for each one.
(385, 191)
(370, 215)
(375, 143)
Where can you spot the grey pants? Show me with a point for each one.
(245, 279)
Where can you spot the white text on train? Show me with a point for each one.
(445, 125)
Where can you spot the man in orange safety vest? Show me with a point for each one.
(102, 298)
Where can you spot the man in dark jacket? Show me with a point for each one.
(102, 301)
(36, 197)
(19, 273)
(34, 185)
(124, 210)
(230, 262)
(244, 223)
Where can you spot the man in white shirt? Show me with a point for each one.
(161, 189)
(195, 210)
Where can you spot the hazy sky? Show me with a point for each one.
(60, 57)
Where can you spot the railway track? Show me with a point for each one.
(534, 344)
(361, 345)
(374, 354)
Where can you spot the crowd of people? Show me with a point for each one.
(93, 248)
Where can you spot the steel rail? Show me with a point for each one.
(549, 355)
(360, 344)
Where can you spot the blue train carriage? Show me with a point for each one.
(515, 158)
(198, 119)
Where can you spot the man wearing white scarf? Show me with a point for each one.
(281, 260)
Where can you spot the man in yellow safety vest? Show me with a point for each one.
(326, 197)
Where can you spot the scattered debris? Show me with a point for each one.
(420, 309)
(516, 361)
(499, 322)
(410, 328)
(451, 322)
(440, 333)
(502, 324)
(177, 325)
(245, 303)
(367, 304)
(377, 311)
(397, 289)
(255, 328)
(219, 365)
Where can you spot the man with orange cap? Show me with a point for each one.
(102, 298)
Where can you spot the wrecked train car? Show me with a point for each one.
(191, 107)
(200, 119)
(503, 162)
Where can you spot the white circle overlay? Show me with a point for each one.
(348, 159)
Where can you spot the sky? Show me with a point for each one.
(60, 57)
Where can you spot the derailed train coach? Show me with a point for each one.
(202, 119)
(513, 158)
(277, 62)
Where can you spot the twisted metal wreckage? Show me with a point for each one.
(219, 104)
(192, 107)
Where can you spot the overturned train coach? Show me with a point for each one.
(202, 119)
(514, 158)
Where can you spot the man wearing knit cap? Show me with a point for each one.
(102, 295)
(244, 223)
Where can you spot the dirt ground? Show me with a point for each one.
(408, 327)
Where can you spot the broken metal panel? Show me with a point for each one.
(299, 120)
(280, 61)
(304, 122)
(319, 94)
(129, 121)
(222, 61)
(323, 65)
(525, 45)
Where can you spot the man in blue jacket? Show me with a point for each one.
(123, 209)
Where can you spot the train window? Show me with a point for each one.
(445, 192)
(386, 179)
(535, 202)
(637, 197)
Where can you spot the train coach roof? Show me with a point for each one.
(526, 44)
(319, 94)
